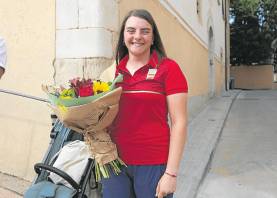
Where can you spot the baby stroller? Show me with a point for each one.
(43, 187)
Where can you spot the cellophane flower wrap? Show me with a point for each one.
(89, 108)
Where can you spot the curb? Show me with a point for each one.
(217, 142)
(203, 135)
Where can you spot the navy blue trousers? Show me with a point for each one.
(134, 182)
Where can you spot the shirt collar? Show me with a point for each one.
(152, 63)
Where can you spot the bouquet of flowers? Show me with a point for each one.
(89, 107)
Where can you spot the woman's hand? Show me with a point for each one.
(166, 185)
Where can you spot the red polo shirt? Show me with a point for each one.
(141, 130)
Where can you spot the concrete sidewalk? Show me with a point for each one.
(203, 133)
(4, 193)
(11, 186)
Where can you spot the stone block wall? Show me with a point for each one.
(85, 38)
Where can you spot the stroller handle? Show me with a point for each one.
(39, 166)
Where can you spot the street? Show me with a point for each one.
(245, 160)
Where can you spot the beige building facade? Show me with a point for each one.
(52, 41)
(29, 30)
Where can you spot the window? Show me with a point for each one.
(198, 7)
(223, 9)
(221, 54)
(199, 10)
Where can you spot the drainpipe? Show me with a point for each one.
(227, 45)
(85, 38)
(226, 63)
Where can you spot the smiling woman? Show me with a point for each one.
(146, 24)
(138, 37)
(153, 86)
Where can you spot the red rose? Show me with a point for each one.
(85, 91)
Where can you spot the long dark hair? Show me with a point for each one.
(121, 49)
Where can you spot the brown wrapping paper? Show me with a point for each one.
(92, 120)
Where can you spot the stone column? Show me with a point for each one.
(86, 32)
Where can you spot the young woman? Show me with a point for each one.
(153, 86)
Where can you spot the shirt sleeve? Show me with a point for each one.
(175, 80)
(3, 53)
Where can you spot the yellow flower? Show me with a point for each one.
(99, 87)
(65, 97)
(67, 94)
(62, 108)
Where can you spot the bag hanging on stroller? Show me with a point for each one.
(72, 159)
(61, 182)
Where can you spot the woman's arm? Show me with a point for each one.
(177, 107)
